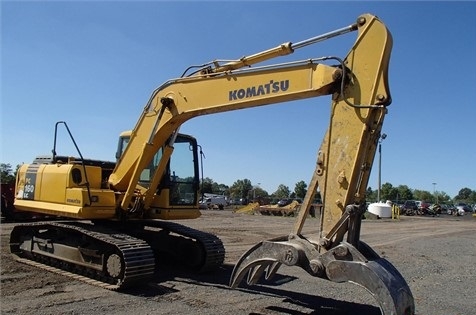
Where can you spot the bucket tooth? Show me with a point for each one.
(271, 270)
(265, 257)
(254, 274)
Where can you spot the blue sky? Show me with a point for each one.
(95, 64)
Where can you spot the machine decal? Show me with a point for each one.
(74, 201)
(263, 89)
(30, 181)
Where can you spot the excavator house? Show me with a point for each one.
(120, 218)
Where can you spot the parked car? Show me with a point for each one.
(445, 208)
(463, 206)
(423, 206)
(409, 207)
(213, 202)
(284, 202)
(451, 209)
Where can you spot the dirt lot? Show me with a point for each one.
(435, 255)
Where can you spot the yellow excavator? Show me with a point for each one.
(121, 214)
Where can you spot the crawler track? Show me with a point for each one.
(114, 255)
(209, 251)
(97, 255)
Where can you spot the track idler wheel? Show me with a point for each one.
(114, 266)
(342, 263)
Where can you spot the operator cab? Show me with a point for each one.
(180, 178)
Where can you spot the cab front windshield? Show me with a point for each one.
(181, 174)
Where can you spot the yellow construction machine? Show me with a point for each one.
(121, 213)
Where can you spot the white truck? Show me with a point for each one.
(210, 201)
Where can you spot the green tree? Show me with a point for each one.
(207, 185)
(463, 195)
(422, 195)
(259, 192)
(282, 192)
(441, 197)
(387, 192)
(7, 174)
(403, 193)
(221, 189)
(300, 189)
(472, 197)
(241, 188)
(370, 195)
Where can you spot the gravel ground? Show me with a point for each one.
(436, 256)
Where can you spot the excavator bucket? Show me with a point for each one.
(343, 263)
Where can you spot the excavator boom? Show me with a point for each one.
(235, 87)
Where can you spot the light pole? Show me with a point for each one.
(434, 192)
(254, 191)
(382, 137)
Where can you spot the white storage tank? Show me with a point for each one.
(382, 210)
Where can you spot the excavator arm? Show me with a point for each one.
(360, 96)
(235, 85)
